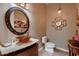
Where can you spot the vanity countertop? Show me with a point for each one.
(18, 46)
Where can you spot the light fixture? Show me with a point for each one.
(24, 5)
(27, 5)
(59, 9)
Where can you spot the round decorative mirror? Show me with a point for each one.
(17, 21)
(59, 23)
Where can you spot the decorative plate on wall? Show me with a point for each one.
(59, 23)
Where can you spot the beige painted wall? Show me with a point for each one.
(38, 20)
(60, 37)
(3, 28)
(37, 15)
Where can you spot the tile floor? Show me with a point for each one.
(57, 52)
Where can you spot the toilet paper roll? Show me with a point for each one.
(44, 39)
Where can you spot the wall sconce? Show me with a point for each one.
(24, 5)
(27, 6)
(59, 9)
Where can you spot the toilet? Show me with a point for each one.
(48, 46)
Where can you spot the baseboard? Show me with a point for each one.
(65, 50)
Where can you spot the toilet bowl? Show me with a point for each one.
(48, 46)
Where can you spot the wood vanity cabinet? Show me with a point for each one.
(28, 51)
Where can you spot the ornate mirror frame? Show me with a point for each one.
(58, 23)
(7, 20)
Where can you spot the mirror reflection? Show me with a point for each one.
(18, 21)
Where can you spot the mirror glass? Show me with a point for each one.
(18, 21)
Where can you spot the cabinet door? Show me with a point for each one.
(30, 51)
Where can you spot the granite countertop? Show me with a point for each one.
(18, 46)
